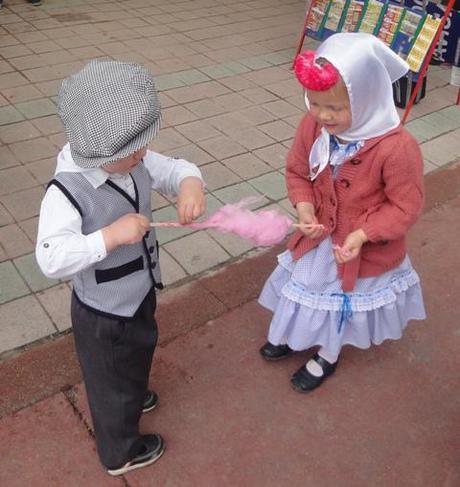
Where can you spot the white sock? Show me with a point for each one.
(314, 368)
(327, 355)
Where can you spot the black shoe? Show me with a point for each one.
(275, 352)
(150, 401)
(303, 381)
(151, 448)
(35, 3)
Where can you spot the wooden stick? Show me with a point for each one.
(165, 224)
(308, 225)
(178, 225)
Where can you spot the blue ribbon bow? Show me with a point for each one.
(345, 310)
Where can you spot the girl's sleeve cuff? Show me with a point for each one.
(301, 196)
(371, 232)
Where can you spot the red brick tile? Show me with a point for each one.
(198, 303)
(19, 94)
(24, 204)
(33, 150)
(58, 434)
(15, 179)
(240, 282)
(10, 80)
(14, 241)
(7, 158)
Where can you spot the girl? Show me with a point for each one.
(355, 178)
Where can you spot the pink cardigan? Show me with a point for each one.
(380, 189)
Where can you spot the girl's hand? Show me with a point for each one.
(351, 247)
(306, 215)
(191, 202)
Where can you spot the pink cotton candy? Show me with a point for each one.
(264, 228)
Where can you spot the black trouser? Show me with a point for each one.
(115, 357)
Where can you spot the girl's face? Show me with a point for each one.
(331, 108)
(125, 165)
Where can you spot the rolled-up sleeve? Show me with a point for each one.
(62, 250)
(168, 172)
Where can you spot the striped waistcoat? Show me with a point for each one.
(117, 285)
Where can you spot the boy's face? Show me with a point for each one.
(127, 164)
(331, 108)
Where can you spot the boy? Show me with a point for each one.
(95, 226)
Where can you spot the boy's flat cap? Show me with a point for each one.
(110, 109)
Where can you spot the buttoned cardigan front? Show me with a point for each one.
(379, 189)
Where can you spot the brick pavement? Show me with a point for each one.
(230, 103)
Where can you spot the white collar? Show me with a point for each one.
(95, 176)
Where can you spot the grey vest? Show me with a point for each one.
(117, 285)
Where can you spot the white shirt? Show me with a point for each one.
(62, 250)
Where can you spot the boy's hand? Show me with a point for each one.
(306, 214)
(128, 229)
(351, 247)
(191, 202)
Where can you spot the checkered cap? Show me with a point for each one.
(110, 109)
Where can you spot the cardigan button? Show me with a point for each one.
(331, 222)
(151, 249)
(332, 200)
(355, 161)
(153, 265)
(345, 183)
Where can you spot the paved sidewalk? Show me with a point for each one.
(388, 417)
(230, 102)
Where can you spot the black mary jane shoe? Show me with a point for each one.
(275, 352)
(303, 381)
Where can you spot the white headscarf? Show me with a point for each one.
(368, 68)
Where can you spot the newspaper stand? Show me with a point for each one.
(387, 21)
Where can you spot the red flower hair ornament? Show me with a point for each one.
(312, 75)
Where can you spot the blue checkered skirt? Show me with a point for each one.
(309, 307)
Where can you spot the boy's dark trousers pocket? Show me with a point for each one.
(115, 357)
